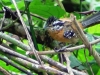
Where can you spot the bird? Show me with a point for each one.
(61, 30)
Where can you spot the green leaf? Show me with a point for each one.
(75, 62)
(6, 2)
(98, 72)
(90, 37)
(42, 2)
(81, 55)
(94, 29)
(29, 0)
(94, 67)
(9, 67)
(47, 10)
(97, 8)
(20, 5)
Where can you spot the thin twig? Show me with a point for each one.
(27, 48)
(28, 35)
(70, 49)
(6, 50)
(2, 20)
(80, 33)
(87, 43)
(88, 63)
(32, 31)
(60, 66)
(26, 63)
(32, 14)
(68, 64)
(43, 57)
(39, 68)
(4, 71)
(14, 65)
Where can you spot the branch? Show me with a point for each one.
(87, 43)
(4, 71)
(80, 33)
(6, 50)
(60, 66)
(14, 65)
(37, 67)
(32, 14)
(45, 58)
(29, 65)
(28, 35)
(68, 64)
(70, 49)
(52, 52)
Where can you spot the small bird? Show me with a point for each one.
(61, 30)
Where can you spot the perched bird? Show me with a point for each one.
(61, 30)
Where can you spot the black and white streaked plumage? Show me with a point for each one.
(58, 25)
(55, 23)
(69, 34)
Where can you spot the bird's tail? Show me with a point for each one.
(91, 20)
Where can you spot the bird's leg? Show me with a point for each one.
(61, 55)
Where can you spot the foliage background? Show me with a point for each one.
(47, 8)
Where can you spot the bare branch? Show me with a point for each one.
(14, 65)
(6, 50)
(4, 71)
(28, 35)
(37, 67)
